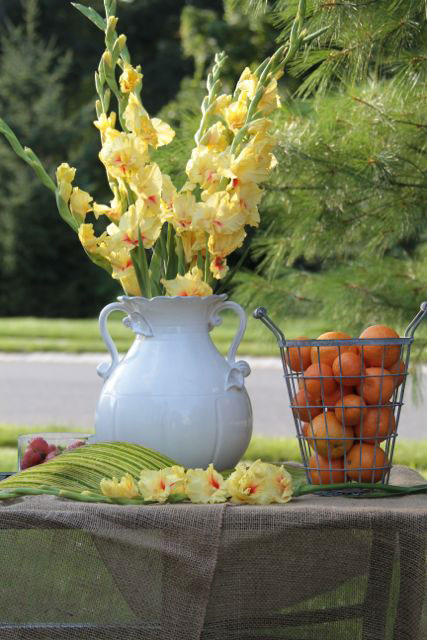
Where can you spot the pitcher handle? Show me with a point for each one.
(104, 370)
(241, 369)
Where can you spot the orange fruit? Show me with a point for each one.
(303, 400)
(378, 423)
(380, 355)
(364, 463)
(346, 365)
(349, 409)
(331, 400)
(377, 387)
(328, 436)
(315, 382)
(398, 367)
(321, 471)
(298, 358)
(328, 354)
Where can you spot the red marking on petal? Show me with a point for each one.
(252, 488)
(152, 199)
(235, 183)
(214, 482)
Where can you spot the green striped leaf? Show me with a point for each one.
(83, 468)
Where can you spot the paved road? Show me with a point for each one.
(43, 389)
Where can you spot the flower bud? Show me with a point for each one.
(121, 41)
(112, 23)
(107, 59)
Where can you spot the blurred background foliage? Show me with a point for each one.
(343, 222)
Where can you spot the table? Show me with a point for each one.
(322, 568)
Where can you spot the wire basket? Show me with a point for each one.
(346, 412)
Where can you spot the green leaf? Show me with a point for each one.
(65, 213)
(93, 15)
(139, 260)
(181, 256)
(138, 270)
(172, 259)
(28, 156)
(156, 271)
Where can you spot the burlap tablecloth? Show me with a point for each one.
(322, 568)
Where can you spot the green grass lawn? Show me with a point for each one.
(82, 336)
(411, 453)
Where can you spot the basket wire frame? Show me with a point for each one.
(320, 469)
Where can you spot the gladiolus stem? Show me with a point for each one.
(382, 489)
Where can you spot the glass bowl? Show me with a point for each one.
(36, 448)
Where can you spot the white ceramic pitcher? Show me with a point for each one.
(173, 391)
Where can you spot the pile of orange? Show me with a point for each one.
(344, 404)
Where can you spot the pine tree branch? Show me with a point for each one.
(387, 117)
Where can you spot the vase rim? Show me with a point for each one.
(212, 296)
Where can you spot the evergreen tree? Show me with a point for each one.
(43, 270)
(344, 230)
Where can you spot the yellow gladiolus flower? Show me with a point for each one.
(168, 193)
(191, 284)
(105, 122)
(113, 212)
(221, 103)
(123, 154)
(148, 183)
(130, 284)
(247, 83)
(219, 267)
(260, 126)
(164, 132)
(184, 208)
(235, 114)
(222, 244)
(205, 486)
(216, 138)
(253, 164)
(130, 78)
(153, 131)
(192, 242)
(131, 224)
(259, 483)
(126, 488)
(227, 216)
(159, 485)
(247, 196)
(88, 238)
(149, 228)
(80, 203)
(202, 168)
(64, 178)
(270, 99)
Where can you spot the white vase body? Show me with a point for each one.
(173, 391)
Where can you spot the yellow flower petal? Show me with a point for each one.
(80, 203)
(125, 488)
(130, 78)
(205, 486)
(235, 114)
(160, 484)
(191, 284)
(64, 178)
(259, 483)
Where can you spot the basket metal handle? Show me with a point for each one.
(412, 326)
(260, 313)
